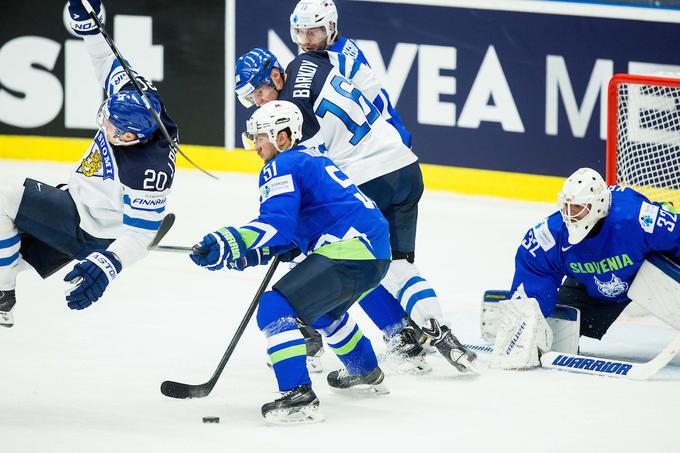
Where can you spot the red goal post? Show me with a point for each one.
(643, 135)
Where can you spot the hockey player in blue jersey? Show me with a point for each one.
(115, 199)
(306, 202)
(584, 256)
(370, 151)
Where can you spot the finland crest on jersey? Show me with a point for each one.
(98, 161)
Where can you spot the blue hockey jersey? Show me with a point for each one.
(606, 261)
(308, 202)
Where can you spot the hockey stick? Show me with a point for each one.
(173, 145)
(166, 224)
(613, 368)
(173, 248)
(182, 391)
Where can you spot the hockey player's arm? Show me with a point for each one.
(536, 278)
(256, 242)
(662, 231)
(143, 212)
(360, 74)
(108, 70)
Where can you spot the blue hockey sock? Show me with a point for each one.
(350, 345)
(384, 310)
(285, 343)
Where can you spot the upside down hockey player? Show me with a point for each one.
(599, 240)
(115, 199)
(371, 152)
(306, 202)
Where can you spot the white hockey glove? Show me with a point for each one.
(522, 333)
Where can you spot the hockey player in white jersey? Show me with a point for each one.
(314, 27)
(115, 199)
(370, 151)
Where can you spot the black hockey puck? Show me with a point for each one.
(211, 419)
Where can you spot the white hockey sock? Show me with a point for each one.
(10, 243)
(414, 293)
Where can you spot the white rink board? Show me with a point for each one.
(89, 381)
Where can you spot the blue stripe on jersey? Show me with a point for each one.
(412, 281)
(287, 344)
(355, 69)
(417, 297)
(127, 201)
(10, 242)
(342, 60)
(9, 260)
(141, 223)
(378, 102)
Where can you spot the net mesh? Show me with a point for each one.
(648, 140)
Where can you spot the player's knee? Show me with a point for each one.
(273, 308)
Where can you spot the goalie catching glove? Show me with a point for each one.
(522, 333)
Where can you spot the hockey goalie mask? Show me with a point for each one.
(314, 24)
(584, 200)
(270, 119)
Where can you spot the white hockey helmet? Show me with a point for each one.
(585, 190)
(272, 118)
(315, 13)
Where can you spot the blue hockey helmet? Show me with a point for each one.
(252, 70)
(128, 113)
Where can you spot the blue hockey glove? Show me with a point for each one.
(225, 244)
(92, 276)
(81, 23)
(254, 257)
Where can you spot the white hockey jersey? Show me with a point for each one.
(341, 121)
(121, 192)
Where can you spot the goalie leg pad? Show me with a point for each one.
(565, 323)
(656, 287)
(522, 333)
(490, 314)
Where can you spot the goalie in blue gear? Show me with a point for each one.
(306, 202)
(586, 256)
(109, 214)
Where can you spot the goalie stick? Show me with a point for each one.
(577, 363)
(138, 88)
(614, 368)
(179, 390)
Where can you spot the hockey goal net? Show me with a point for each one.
(643, 137)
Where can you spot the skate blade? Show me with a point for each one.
(6, 319)
(287, 417)
(466, 366)
(400, 365)
(363, 390)
(314, 364)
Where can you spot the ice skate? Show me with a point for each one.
(314, 345)
(448, 345)
(367, 383)
(7, 302)
(299, 405)
(405, 355)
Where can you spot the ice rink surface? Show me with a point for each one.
(89, 381)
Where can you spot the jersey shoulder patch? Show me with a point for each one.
(647, 216)
(543, 235)
(276, 186)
